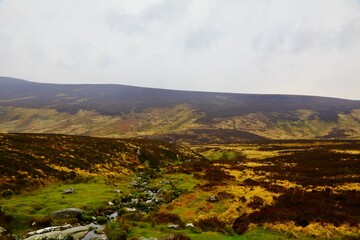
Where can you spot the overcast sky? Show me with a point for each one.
(309, 47)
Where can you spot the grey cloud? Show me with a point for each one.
(167, 11)
(282, 46)
(306, 38)
(162, 13)
(124, 22)
(349, 36)
(201, 37)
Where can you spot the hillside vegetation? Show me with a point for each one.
(132, 163)
(31, 160)
(275, 189)
(177, 116)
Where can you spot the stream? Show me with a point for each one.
(96, 227)
(91, 234)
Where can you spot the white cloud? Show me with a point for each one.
(284, 46)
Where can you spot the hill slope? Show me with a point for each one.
(31, 160)
(125, 111)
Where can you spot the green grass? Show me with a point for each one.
(221, 155)
(146, 230)
(183, 182)
(88, 196)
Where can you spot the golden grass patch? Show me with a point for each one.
(318, 230)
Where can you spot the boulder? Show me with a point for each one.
(189, 225)
(213, 199)
(99, 237)
(117, 190)
(69, 191)
(75, 233)
(67, 213)
(150, 238)
(126, 209)
(50, 229)
(174, 226)
(134, 183)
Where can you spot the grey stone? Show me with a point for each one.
(50, 229)
(2, 231)
(174, 226)
(135, 183)
(67, 213)
(99, 237)
(69, 191)
(117, 191)
(213, 199)
(129, 209)
(75, 233)
(150, 238)
(189, 225)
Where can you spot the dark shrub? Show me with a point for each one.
(211, 224)
(85, 218)
(101, 219)
(225, 195)
(117, 235)
(42, 221)
(116, 231)
(242, 199)
(179, 236)
(304, 207)
(7, 193)
(250, 182)
(164, 218)
(133, 216)
(303, 222)
(256, 202)
(5, 220)
(241, 224)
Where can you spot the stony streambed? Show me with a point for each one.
(143, 198)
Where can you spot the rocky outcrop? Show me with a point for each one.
(50, 229)
(75, 233)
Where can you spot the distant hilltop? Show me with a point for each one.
(110, 110)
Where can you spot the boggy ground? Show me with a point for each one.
(272, 190)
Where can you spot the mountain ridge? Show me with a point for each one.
(151, 112)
